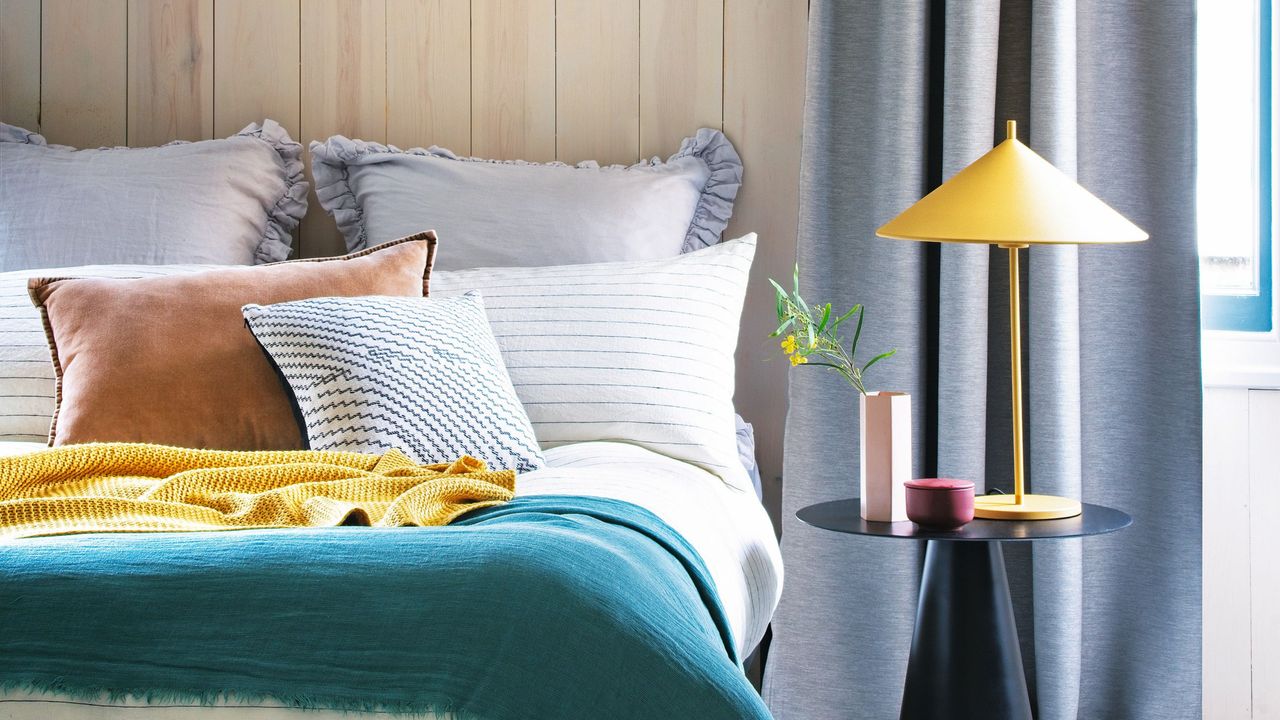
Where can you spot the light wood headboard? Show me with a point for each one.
(609, 80)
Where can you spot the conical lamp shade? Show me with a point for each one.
(1012, 196)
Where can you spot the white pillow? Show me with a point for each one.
(27, 383)
(422, 375)
(636, 352)
(492, 213)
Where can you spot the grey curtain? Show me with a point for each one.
(901, 95)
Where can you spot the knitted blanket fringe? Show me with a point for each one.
(130, 487)
(443, 707)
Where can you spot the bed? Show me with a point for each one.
(729, 530)
(591, 349)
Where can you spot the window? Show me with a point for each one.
(1234, 181)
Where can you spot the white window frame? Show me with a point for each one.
(1252, 359)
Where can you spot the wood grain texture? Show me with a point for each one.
(681, 71)
(170, 71)
(83, 72)
(598, 81)
(1226, 672)
(429, 74)
(20, 63)
(764, 71)
(256, 61)
(1264, 539)
(513, 79)
(344, 84)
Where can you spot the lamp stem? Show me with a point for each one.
(1015, 354)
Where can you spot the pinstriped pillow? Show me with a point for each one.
(638, 352)
(418, 374)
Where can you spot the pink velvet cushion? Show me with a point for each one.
(169, 360)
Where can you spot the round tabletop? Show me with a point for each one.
(845, 516)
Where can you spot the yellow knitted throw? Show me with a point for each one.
(125, 487)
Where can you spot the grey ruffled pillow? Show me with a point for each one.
(232, 201)
(505, 213)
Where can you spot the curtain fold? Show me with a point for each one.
(841, 634)
(901, 96)
(1053, 370)
(1140, 351)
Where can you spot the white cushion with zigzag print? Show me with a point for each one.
(422, 375)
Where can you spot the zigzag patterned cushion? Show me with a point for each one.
(423, 375)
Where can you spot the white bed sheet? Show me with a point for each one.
(728, 527)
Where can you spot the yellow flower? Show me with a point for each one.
(789, 345)
(798, 359)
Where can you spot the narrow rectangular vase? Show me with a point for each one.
(885, 455)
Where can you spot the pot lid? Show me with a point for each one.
(940, 484)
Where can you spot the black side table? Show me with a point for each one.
(965, 661)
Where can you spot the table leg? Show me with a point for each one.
(965, 661)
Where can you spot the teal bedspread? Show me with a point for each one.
(547, 607)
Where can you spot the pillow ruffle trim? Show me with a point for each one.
(15, 134)
(715, 205)
(284, 216)
(331, 158)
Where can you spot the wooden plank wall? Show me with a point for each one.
(608, 80)
(1241, 577)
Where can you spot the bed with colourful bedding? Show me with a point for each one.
(619, 583)
(577, 335)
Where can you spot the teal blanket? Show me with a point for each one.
(546, 607)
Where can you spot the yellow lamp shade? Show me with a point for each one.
(1011, 197)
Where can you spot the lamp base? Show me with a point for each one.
(1032, 507)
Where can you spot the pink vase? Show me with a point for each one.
(885, 456)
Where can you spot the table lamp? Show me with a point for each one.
(1013, 198)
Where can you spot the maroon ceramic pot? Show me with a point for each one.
(940, 503)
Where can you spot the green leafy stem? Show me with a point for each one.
(813, 335)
